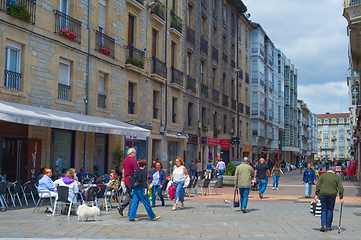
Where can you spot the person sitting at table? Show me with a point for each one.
(69, 181)
(100, 183)
(113, 184)
(81, 175)
(46, 187)
(107, 179)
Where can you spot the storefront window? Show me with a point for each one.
(172, 154)
(61, 151)
(100, 154)
(139, 144)
(191, 153)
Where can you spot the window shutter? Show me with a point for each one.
(101, 84)
(64, 74)
(101, 14)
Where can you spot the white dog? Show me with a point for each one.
(84, 212)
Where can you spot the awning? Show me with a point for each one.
(174, 136)
(25, 114)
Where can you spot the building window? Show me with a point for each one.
(215, 119)
(204, 114)
(101, 91)
(224, 15)
(174, 110)
(214, 7)
(155, 104)
(64, 80)
(203, 27)
(101, 16)
(225, 124)
(189, 64)
(203, 73)
(154, 42)
(190, 113)
(12, 65)
(214, 78)
(64, 8)
(131, 30)
(131, 102)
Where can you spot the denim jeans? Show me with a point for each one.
(327, 205)
(262, 185)
(179, 193)
(244, 192)
(308, 190)
(192, 174)
(275, 180)
(159, 190)
(138, 195)
(221, 172)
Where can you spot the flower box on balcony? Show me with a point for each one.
(104, 50)
(65, 33)
(135, 62)
(19, 11)
(134, 68)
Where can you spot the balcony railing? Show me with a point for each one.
(159, 67)
(67, 27)
(225, 100)
(155, 113)
(176, 22)
(191, 35)
(104, 44)
(191, 84)
(63, 92)
(233, 63)
(12, 80)
(204, 45)
(215, 53)
(247, 111)
(247, 78)
(101, 100)
(225, 57)
(233, 104)
(135, 56)
(131, 107)
(174, 117)
(158, 9)
(30, 6)
(177, 76)
(350, 3)
(189, 122)
(204, 90)
(215, 95)
(240, 108)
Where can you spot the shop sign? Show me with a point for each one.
(224, 143)
(193, 139)
(247, 148)
(254, 149)
(204, 140)
(136, 138)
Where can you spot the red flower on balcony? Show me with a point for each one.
(105, 50)
(68, 34)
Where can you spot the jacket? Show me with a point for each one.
(71, 184)
(243, 175)
(329, 184)
(45, 184)
(309, 174)
(162, 177)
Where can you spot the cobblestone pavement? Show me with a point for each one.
(281, 214)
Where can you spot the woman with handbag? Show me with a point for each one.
(179, 177)
(158, 181)
(309, 178)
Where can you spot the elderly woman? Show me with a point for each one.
(140, 192)
(179, 176)
(69, 181)
(46, 187)
(158, 180)
(113, 184)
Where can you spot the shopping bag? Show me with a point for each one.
(236, 198)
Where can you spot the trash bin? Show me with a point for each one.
(220, 181)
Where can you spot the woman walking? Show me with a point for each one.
(140, 192)
(158, 181)
(179, 176)
(309, 178)
(198, 169)
(276, 173)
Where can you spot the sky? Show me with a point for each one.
(313, 35)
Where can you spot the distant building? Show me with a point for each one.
(333, 136)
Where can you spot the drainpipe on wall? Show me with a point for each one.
(199, 81)
(87, 85)
(165, 61)
(237, 90)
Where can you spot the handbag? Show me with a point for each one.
(236, 198)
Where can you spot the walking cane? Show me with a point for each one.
(339, 222)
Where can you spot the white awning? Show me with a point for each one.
(174, 136)
(25, 114)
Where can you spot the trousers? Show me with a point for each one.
(138, 195)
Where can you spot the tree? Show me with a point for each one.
(118, 156)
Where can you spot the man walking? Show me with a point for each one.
(327, 187)
(242, 180)
(261, 174)
(221, 166)
(130, 164)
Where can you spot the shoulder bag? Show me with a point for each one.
(236, 198)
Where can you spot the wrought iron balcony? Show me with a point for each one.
(131, 107)
(177, 76)
(215, 53)
(12, 80)
(225, 57)
(204, 45)
(101, 100)
(135, 56)
(176, 22)
(67, 27)
(204, 90)
(159, 67)
(191, 84)
(233, 104)
(240, 108)
(104, 44)
(63, 92)
(155, 113)
(29, 8)
(191, 35)
(215, 95)
(225, 100)
(158, 9)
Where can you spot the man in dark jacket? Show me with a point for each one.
(327, 187)
(261, 173)
(192, 169)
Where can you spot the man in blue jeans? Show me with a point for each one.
(242, 180)
(262, 172)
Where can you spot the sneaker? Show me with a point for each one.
(156, 218)
(244, 210)
(323, 229)
(260, 194)
(133, 220)
(277, 188)
(273, 188)
(120, 211)
(49, 209)
(329, 229)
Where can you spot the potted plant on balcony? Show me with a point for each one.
(104, 50)
(215, 132)
(158, 10)
(19, 11)
(135, 62)
(65, 33)
(204, 127)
